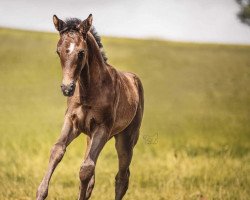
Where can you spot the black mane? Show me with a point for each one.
(72, 24)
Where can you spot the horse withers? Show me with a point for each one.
(102, 103)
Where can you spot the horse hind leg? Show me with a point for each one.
(125, 153)
(124, 143)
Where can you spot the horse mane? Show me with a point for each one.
(71, 24)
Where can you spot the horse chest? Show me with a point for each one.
(85, 118)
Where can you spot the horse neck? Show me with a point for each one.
(94, 70)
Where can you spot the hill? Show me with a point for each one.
(195, 137)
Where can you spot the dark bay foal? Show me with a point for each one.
(102, 102)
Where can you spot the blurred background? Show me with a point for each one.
(193, 58)
(203, 20)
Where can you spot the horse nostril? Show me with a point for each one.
(72, 86)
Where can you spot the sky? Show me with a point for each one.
(179, 20)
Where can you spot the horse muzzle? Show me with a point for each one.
(68, 90)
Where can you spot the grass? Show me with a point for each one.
(195, 137)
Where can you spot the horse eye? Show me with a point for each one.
(80, 54)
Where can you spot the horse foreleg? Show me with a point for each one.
(90, 187)
(87, 170)
(92, 180)
(57, 153)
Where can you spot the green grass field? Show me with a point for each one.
(195, 137)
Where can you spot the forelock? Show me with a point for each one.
(71, 24)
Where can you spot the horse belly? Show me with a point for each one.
(127, 104)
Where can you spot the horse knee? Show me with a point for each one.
(87, 171)
(57, 152)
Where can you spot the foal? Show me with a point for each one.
(102, 102)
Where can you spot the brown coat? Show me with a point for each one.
(102, 102)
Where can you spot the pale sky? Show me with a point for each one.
(182, 20)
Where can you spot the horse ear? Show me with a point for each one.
(59, 24)
(86, 25)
